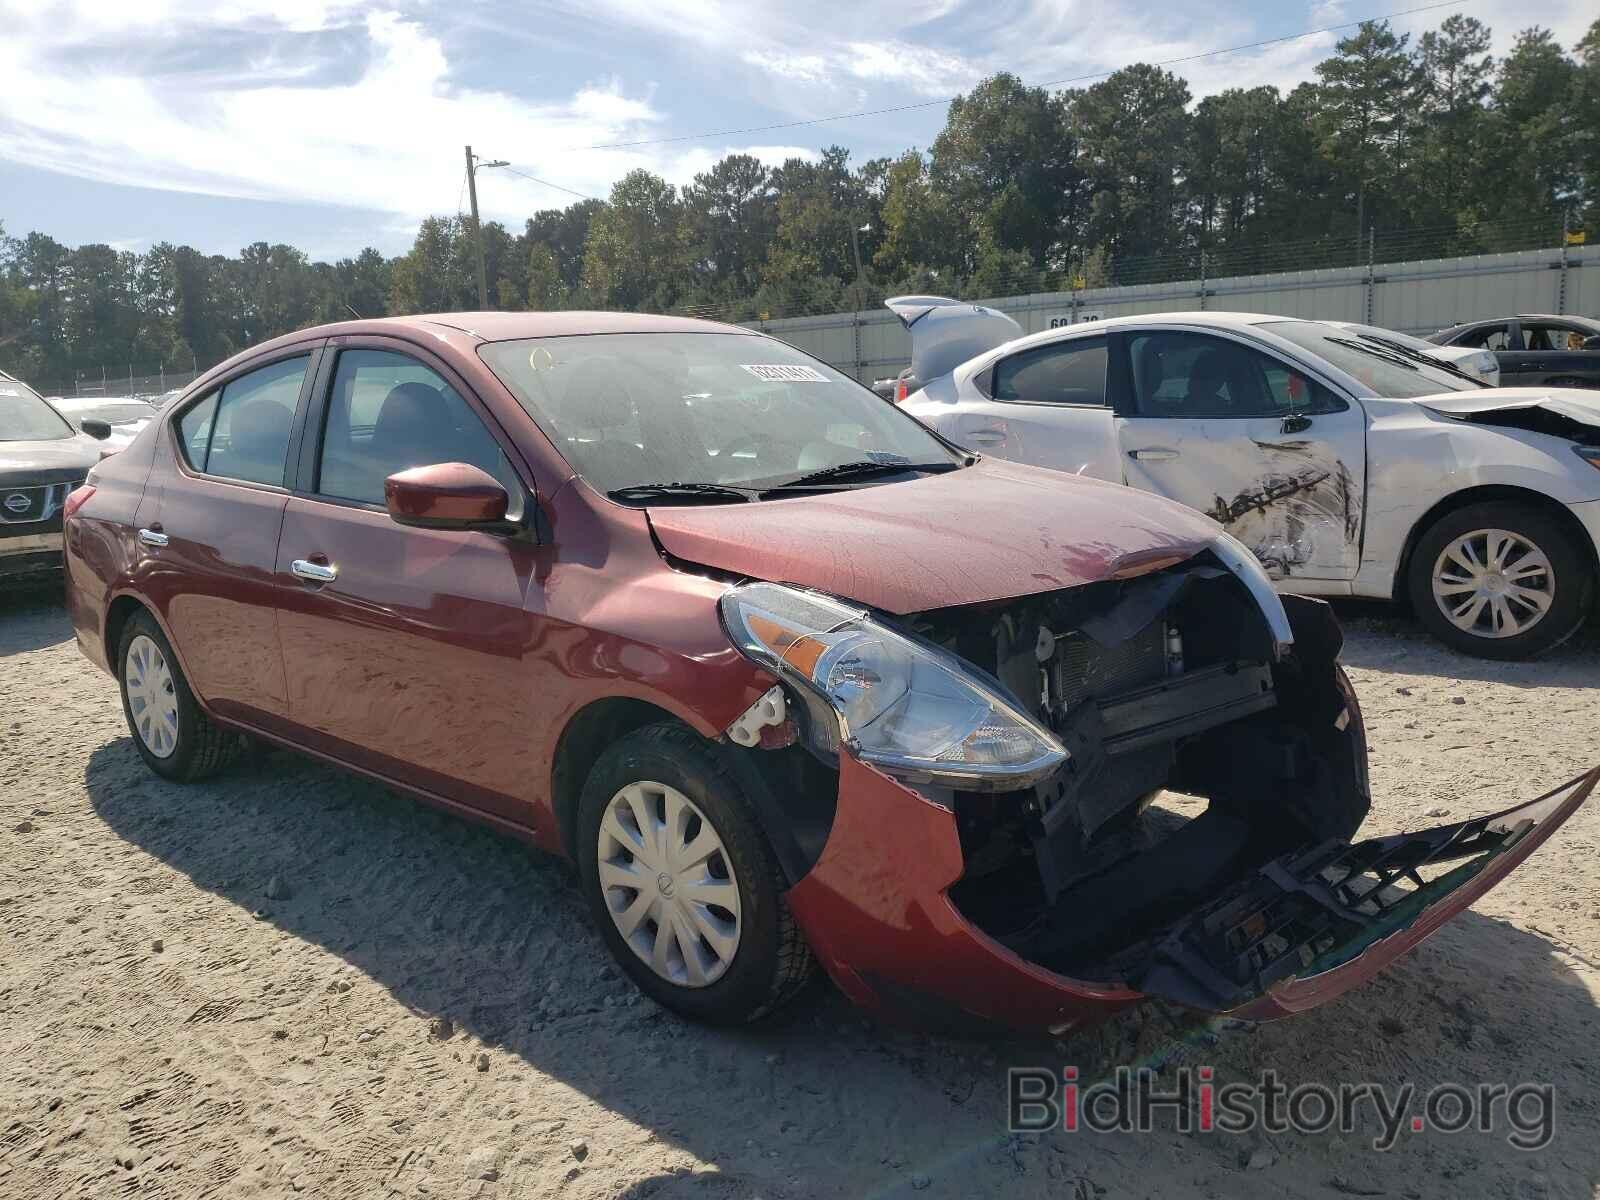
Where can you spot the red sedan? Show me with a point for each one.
(791, 678)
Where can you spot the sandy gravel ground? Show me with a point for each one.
(285, 982)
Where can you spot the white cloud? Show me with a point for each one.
(921, 69)
(806, 68)
(386, 136)
(386, 140)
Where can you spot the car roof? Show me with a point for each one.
(1233, 320)
(1576, 318)
(508, 326)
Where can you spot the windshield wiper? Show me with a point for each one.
(850, 471)
(692, 493)
(1410, 352)
(1388, 356)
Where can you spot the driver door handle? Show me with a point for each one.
(1153, 455)
(313, 572)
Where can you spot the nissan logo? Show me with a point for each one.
(17, 502)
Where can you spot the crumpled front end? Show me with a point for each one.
(1057, 904)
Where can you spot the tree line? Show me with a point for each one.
(1023, 189)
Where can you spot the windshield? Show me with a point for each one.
(744, 411)
(1389, 370)
(24, 417)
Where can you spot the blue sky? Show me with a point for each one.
(335, 124)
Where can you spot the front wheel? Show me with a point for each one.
(1500, 580)
(682, 883)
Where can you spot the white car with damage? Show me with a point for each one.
(1351, 465)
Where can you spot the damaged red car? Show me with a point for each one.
(791, 678)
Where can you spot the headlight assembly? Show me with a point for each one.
(906, 707)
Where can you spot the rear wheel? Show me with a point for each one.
(173, 736)
(682, 883)
(1500, 580)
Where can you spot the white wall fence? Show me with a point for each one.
(1412, 297)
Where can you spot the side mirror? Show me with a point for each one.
(1592, 342)
(445, 496)
(97, 429)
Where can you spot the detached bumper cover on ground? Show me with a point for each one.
(1303, 930)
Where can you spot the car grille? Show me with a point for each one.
(30, 503)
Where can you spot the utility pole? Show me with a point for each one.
(473, 166)
(477, 231)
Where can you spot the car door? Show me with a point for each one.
(1045, 405)
(1250, 438)
(407, 650)
(1554, 354)
(211, 531)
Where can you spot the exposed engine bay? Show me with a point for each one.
(1168, 681)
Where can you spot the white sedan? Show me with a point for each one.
(1350, 466)
(124, 415)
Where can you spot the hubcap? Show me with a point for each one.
(151, 698)
(1492, 583)
(668, 884)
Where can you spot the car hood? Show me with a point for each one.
(993, 531)
(1562, 412)
(47, 462)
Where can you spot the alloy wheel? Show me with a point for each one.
(668, 884)
(151, 697)
(1493, 583)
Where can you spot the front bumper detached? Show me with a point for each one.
(1292, 934)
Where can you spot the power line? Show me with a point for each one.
(896, 108)
(546, 183)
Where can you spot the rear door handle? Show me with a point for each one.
(313, 572)
(986, 437)
(152, 537)
(1152, 455)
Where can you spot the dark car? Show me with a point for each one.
(1534, 350)
(42, 459)
(801, 682)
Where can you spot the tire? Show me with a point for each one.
(669, 764)
(189, 746)
(1567, 586)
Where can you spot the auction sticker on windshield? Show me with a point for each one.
(785, 373)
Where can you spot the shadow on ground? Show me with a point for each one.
(455, 921)
(32, 618)
(1385, 638)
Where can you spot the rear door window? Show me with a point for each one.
(1488, 337)
(243, 431)
(194, 431)
(1072, 372)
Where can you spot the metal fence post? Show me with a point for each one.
(855, 329)
(1202, 281)
(1561, 287)
(1372, 239)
